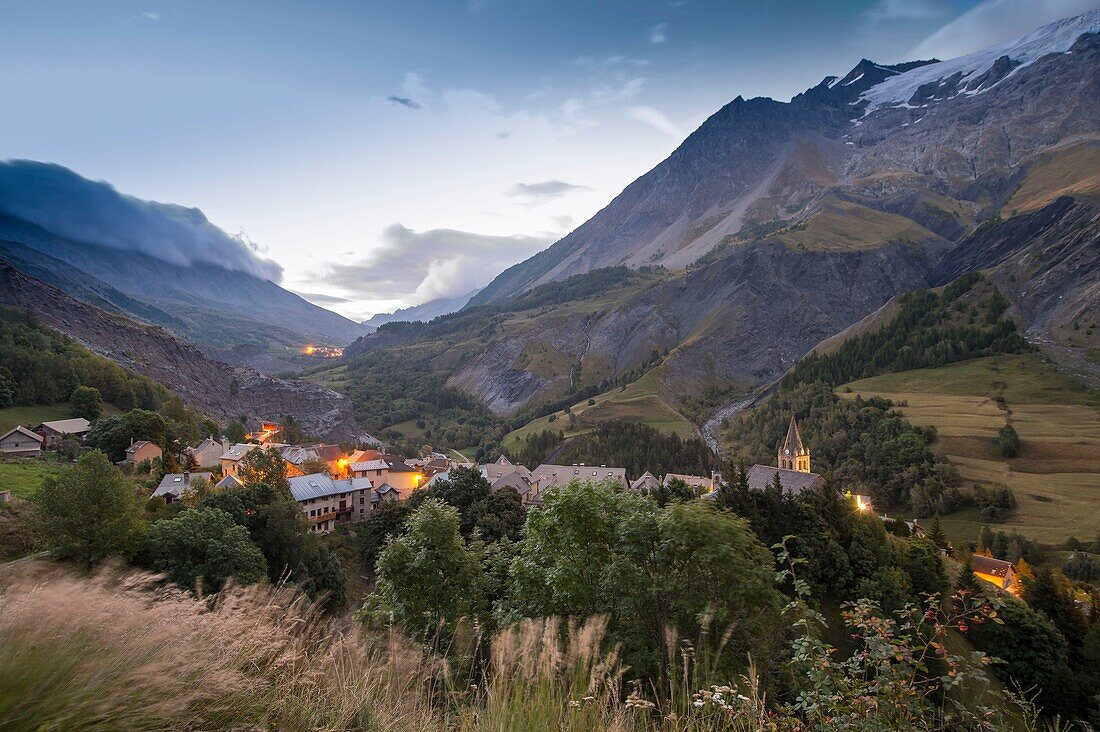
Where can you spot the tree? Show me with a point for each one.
(672, 490)
(593, 550)
(89, 511)
(86, 402)
(114, 434)
(429, 576)
(204, 545)
(387, 519)
(277, 526)
(7, 388)
(937, 536)
(1008, 441)
(314, 465)
(264, 466)
(235, 432)
(499, 515)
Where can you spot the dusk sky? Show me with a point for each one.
(387, 153)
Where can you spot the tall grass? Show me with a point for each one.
(118, 651)
(121, 651)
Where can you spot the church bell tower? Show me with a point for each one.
(793, 453)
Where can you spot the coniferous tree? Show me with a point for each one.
(937, 535)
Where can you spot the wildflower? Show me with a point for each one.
(574, 704)
(698, 703)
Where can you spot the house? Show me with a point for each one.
(794, 482)
(141, 450)
(388, 469)
(295, 456)
(327, 502)
(174, 485)
(208, 453)
(21, 441)
(526, 487)
(648, 483)
(229, 481)
(995, 571)
(701, 485)
(500, 467)
(548, 476)
(232, 456)
(54, 431)
(861, 501)
(384, 492)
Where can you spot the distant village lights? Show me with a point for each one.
(324, 351)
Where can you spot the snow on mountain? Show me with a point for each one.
(1056, 37)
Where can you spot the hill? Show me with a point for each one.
(221, 390)
(1056, 476)
(159, 263)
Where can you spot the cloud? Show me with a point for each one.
(655, 119)
(503, 135)
(149, 15)
(417, 266)
(906, 10)
(658, 33)
(318, 298)
(403, 101)
(62, 202)
(544, 191)
(994, 21)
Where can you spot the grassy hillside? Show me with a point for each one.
(29, 416)
(1072, 171)
(639, 401)
(1056, 478)
(23, 477)
(846, 226)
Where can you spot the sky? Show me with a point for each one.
(382, 154)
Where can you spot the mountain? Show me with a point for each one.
(777, 225)
(871, 136)
(423, 312)
(163, 264)
(216, 388)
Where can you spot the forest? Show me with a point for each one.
(40, 366)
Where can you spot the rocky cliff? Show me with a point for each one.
(216, 388)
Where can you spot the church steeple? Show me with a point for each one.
(793, 453)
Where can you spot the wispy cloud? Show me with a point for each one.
(543, 191)
(149, 15)
(403, 101)
(658, 33)
(994, 21)
(906, 10)
(656, 119)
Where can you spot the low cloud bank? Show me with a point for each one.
(70, 206)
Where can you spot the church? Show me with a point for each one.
(792, 464)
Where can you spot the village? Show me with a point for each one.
(334, 486)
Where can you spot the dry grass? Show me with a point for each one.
(118, 651)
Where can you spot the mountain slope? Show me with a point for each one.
(938, 142)
(422, 312)
(211, 386)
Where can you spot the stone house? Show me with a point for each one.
(21, 441)
(53, 432)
